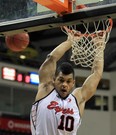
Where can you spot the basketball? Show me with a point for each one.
(17, 42)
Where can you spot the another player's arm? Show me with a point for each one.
(48, 68)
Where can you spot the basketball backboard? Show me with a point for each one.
(41, 23)
(30, 16)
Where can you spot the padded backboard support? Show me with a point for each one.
(59, 6)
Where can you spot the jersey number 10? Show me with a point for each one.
(66, 123)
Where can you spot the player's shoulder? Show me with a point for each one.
(77, 91)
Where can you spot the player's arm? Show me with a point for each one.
(89, 87)
(48, 68)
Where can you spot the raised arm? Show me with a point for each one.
(48, 68)
(88, 89)
(90, 85)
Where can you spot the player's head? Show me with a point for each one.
(64, 79)
(66, 68)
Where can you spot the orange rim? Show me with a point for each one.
(92, 34)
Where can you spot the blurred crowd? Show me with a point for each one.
(18, 9)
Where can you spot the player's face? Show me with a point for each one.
(64, 84)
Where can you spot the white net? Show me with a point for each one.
(87, 44)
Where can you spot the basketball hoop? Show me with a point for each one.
(88, 40)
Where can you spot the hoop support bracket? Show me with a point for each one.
(58, 6)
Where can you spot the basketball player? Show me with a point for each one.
(58, 108)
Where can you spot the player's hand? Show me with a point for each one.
(99, 39)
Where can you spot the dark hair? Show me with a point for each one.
(66, 68)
